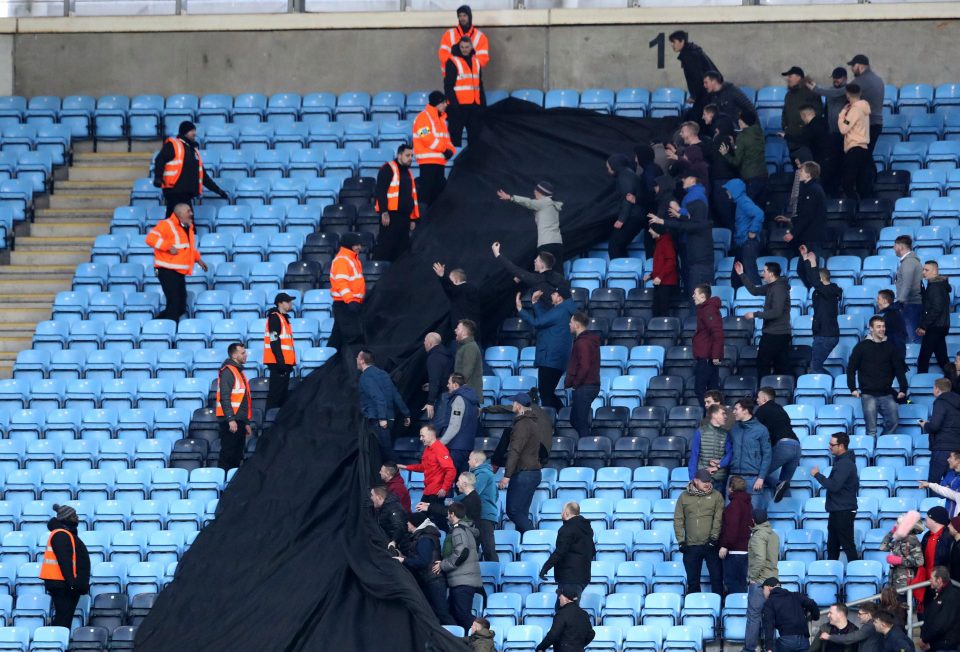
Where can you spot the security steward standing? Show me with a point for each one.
(233, 407)
(65, 570)
(432, 147)
(178, 169)
(278, 352)
(464, 28)
(396, 202)
(174, 253)
(463, 87)
(348, 289)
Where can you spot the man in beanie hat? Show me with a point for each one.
(65, 570)
(763, 552)
(937, 542)
(464, 28)
(423, 552)
(432, 147)
(178, 169)
(279, 353)
(696, 522)
(546, 213)
(571, 630)
(463, 88)
(348, 289)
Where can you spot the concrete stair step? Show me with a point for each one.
(54, 243)
(76, 186)
(74, 214)
(51, 229)
(104, 201)
(117, 173)
(40, 272)
(9, 344)
(84, 159)
(34, 285)
(57, 257)
(16, 328)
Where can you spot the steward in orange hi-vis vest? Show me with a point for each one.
(464, 27)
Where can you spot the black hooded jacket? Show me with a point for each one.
(393, 521)
(695, 64)
(63, 549)
(936, 303)
(188, 183)
(627, 183)
(439, 368)
(730, 100)
(809, 227)
(826, 302)
(450, 76)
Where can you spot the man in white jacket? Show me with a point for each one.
(547, 215)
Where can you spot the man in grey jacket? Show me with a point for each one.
(909, 275)
(546, 214)
(867, 637)
(461, 565)
(872, 90)
(773, 354)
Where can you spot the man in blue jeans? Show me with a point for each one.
(751, 450)
(875, 363)
(523, 470)
(826, 306)
(787, 614)
(785, 454)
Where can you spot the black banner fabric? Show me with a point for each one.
(295, 559)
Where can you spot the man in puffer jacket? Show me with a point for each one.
(943, 428)
(748, 226)
(905, 555)
(751, 450)
(935, 319)
(461, 565)
(707, 341)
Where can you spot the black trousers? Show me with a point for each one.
(840, 535)
(64, 605)
(621, 238)
(773, 355)
(348, 323)
(460, 116)
(231, 445)
(547, 380)
(277, 387)
(174, 286)
(555, 249)
(393, 239)
(432, 182)
(662, 296)
(693, 560)
(934, 342)
(173, 197)
(858, 173)
(706, 376)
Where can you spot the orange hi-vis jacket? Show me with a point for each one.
(393, 192)
(50, 568)
(431, 137)
(240, 388)
(346, 277)
(451, 38)
(170, 233)
(286, 342)
(467, 85)
(174, 167)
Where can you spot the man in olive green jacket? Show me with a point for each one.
(763, 552)
(749, 156)
(469, 358)
(696, 522)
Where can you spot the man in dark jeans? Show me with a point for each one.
(696, 522)
(583, 373)
(707, 341)
(65, 570)
(935, 318)
(380, 402)
(233, 407)
(787, 614)
(773, 353)
(523, 470)
(842, 487)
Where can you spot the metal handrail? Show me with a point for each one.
(909, 589)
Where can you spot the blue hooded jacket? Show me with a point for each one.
(487, 490)
(696, 192)
(749, 217)
(554, 340)
(751, 450)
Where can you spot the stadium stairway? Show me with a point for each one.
(47, 250)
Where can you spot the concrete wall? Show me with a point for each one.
(540, 49)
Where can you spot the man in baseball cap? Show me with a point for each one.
(279, 354)
(871, 89)
(797, 97)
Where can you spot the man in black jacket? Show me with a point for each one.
(815, 142)
(875, 363)
(396, 203)
(809, 226)
(826, 306)
(571, 630)
(464, 105)
(895, 638)
(889, 309)
(838, 625)
(695, 64)
(465, 298)
(943, 428)
(727, 96)
(279, 357)
(423, 552)
(179, 171)
(786, 613)
(785, 454)
(233, 407)
(439, 368)
(544, 277)
(719, 130)
(390, 516)
(935, 321)
(630, 220)
(574, 550)
(690, 221)
(65, 570)
(941, 613)
(842, 488)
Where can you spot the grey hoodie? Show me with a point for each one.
(463, 536)
(547, 215)
(776, 305)
(909, 274)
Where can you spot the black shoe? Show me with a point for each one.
(781, 489)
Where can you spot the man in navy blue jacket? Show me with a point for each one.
(460, 421)
(842, 487)
(554, 340)
(380, 402)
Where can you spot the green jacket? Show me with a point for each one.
(469, 362)
(763, 552)
(481, 641)
(749, 156)
(793, 101)
(696, 519)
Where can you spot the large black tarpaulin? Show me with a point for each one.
(294, 559)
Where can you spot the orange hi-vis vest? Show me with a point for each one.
(169, 233)
(286, 342)
(467, 85)
(393, 192)
(431, 137)
(347, 284)
(240, 388)
(174, 167)
(451, 39)
(50, 568)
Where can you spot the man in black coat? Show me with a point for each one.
(941, 613)
(439, 368)
(181, 180)
(815, 142)
(943, 428)
(465, 298)
(390, 516)
(935, 321)
(785, 454)
(574, 550)
(571, 630)
(787, 614)
(719, 130)
(895, 638)
(842, 488)
(544, 277)
(728, 97)
(809, 226)
(630, 218)
(826, 307)
(889, 309)
(65, 570)
(695, 64)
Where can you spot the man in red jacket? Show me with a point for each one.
(391, 477)
(664, 276)
(707, 341)
(435, 464)
(583, 373)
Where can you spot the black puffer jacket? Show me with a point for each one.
(944, 424)
(571, 630)
(936, 303)
(731, 101)
(63, 549)
(393, 521)
(573, 554)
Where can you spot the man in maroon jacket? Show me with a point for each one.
(391, 477)
(707, 341)
(583, 373)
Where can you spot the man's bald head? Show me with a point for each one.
(184, 213)
(431, 340)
